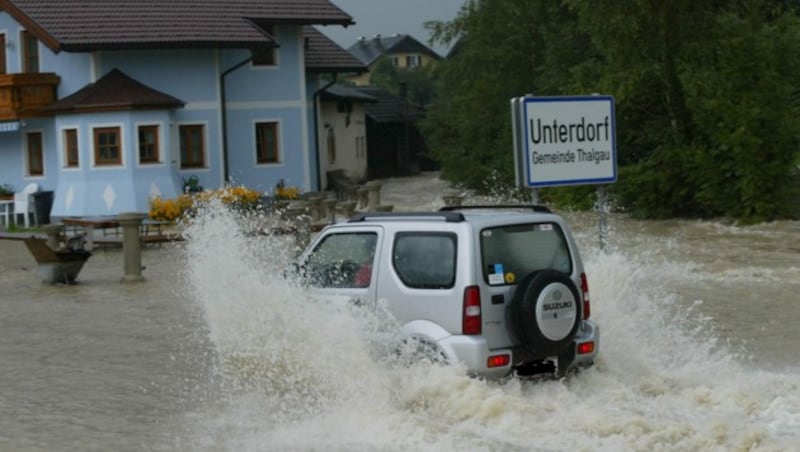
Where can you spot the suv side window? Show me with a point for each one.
(425, 260)
(342, 260)
(511, 252)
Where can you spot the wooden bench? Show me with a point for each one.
(56, 266)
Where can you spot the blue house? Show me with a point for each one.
(110, 102)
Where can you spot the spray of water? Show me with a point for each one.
(301, 373)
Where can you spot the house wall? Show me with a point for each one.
(349, 136)
(191, 76)
(104, 190)
(253, 94)
(278, 94)
(74, 71)
(425, 60)
(361, 79)
(365, 78)
(12, 156)
(313, 84)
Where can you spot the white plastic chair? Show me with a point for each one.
(23, 204)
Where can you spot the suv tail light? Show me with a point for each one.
(471, 321)
(585, 347)
(587, 306)
(498, 360)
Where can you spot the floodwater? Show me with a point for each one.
(700, 350)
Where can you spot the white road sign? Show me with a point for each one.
(565, 140)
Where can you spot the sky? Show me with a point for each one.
(387, 17)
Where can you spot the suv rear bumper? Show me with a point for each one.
(473, 353)
(588, 337)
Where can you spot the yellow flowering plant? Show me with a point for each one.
(284, 192)
(173, 209)
(169, 209)
(239, 196)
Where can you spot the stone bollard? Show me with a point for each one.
(348, 208)
(330, 210)
(131, 245)
(373, 194)
(53, 232)
(302, 232)
(295, 208)
(362, 199)
(316, 207)
(452, 200)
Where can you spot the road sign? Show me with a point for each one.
(567, 140)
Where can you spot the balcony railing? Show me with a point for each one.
(26, 95)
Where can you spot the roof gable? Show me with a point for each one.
(324, 55)
(85, 25)
(342, 92)
(115, 91)
(369, 50)
(388, 108)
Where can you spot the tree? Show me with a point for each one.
(707, 109)
(501, 56)
(420, 82)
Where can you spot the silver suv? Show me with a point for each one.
(499, 289)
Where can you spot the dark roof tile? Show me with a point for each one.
(83, 25)
(389, 108)
(324, 55)
(115, 91)
(343, 92)
(367, 50)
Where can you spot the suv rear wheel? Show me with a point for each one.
(545, 312)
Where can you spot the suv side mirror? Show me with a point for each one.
(295, 270)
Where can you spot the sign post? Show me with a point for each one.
(566, 140)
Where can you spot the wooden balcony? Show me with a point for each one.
(25, 95)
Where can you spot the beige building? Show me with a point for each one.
(342, 132)
(404, 51)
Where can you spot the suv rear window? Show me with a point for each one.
(425, 260)
(511, 252)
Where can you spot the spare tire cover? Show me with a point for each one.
(546, 311)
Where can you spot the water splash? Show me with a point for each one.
(300, 372)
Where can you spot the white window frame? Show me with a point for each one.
(279, 130)
(276, 52)
(5, 32)
(122, 147)
(62, 145)
(207, 143)
(25, 158)
(161, 142)
(23, 55)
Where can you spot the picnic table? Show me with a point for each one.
(150, 231)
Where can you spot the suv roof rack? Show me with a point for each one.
(449, 217)
(533, 207)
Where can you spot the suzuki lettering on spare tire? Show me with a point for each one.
(554, 306)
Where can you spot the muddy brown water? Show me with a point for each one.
(699, 350)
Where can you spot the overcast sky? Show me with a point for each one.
(387, 17)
